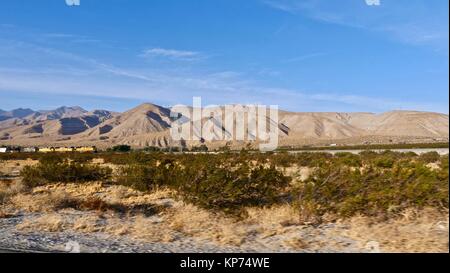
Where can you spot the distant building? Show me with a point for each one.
(30, 149)
(47, 150)
(84, 149)
(10, 150)
(91, 149)
(64, 149)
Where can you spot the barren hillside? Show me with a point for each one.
(149, 125)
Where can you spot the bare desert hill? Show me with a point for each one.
(149, 125)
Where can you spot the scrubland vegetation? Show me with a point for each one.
(245, 199)
(343, 184)
(376, 146)
(52, 169)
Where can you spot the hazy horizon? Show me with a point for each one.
(169, 106)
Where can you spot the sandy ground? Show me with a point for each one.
(45, 219)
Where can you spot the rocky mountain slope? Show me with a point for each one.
(149, 125)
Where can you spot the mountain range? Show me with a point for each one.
(149, 125)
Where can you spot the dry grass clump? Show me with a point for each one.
(149, 229)
(280, 220)
(296, 243)
(55, 201)
(275, 216)
(49, 222)
(88, 224)
(200, 223)
(10, 189)
(58, 222)
(110, 193)
(42, 202)
(413, 230)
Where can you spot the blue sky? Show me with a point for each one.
(303, 55)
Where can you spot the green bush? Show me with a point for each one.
(346, 191)
(81, 157)
(283, 159)
(444, 162)
(348, 159)
(313, 159)
(229, 188)
(202, 148)
(147, 177)
(210, 181)
(384, 162)
(53, 170)
(430, 157)
(121, 148)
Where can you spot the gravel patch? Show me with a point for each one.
(99, 242)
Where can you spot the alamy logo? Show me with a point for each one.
(73, 2)
(72, 247)
(247, 123)
(373, 2)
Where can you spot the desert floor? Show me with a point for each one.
(118, 219)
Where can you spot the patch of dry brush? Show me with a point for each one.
(399, 201)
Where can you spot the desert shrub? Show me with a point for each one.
(368, 154)
(121, 148)
(385, 159)
(201, 148)
(136, 176)
(152, 149)
(393, 154)
(146, 177)
(52, 158)
(81, 157)
(228, 189)
(410, 155)
(213, 182)
(139, 158)
(384, 162)
(114, 158)
(19, 156)
(282, 159)
(53, 170)
(348, 159)
(443, 162)
(346, 191)
(430, 157)
(311, 159)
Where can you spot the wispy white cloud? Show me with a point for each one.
(415, 22)
(171, 54)
(283, 6)
(81, 39)
(171, 89)
(305, 57)
(60, 35)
